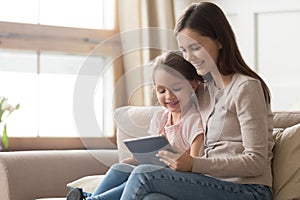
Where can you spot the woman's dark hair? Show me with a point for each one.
(208, 20)
(174, 63)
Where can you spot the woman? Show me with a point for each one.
(235, 108)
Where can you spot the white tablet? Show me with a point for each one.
(144, 149)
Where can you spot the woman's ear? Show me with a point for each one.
(195, 84)
(220, 45)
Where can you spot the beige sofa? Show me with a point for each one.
(41, 174)
(30, 175)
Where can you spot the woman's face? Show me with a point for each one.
(172, 92)
(202, 52)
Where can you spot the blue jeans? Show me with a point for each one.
(149, 182)
(112, 186)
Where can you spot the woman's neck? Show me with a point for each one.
(221, 81)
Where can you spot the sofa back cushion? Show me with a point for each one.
(132, 122)
(285, 119)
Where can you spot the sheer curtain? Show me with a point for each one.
(146, 30)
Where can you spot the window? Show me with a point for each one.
(43, 45)
(18, 82)
(93, 14)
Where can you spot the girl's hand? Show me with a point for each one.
(178, 162)
(131, 161)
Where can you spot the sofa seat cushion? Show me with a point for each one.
(87, 183)
(62, 198)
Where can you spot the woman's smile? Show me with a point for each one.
(199, 65)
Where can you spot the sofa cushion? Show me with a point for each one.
(286, 163)
(131, 122)
(285, 119)
(62, 198)
(88, 184)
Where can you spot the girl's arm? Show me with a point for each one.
(131, 160)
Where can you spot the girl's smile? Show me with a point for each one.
(172, 92)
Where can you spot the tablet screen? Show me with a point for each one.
(144, 149)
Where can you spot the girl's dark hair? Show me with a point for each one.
(174, 63)
(208, 20)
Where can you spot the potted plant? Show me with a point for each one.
(5, 110)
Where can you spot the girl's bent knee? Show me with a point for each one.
(122, 167)
(146, 168)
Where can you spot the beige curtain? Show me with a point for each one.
(146, 30)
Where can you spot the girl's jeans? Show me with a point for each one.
(112, 186)
(149, 182)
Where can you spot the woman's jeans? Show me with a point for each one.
(149, 182)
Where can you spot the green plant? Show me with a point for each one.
(5, 110)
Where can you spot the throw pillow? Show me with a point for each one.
(132, 122)
(87, 183)
(286, 164)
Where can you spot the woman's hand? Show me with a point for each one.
(178, 162)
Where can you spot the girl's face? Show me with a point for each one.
(202, 52)
(172, 92)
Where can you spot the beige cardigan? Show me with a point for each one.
(238, 125)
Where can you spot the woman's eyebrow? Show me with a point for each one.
(191, 45)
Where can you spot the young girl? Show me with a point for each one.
(175, 81)
(235, 108)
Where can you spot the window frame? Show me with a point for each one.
(38, 37)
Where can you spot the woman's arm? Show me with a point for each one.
(243, 148)
(183, 162)
(197, 146)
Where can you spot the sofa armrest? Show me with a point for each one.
(34, 174)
